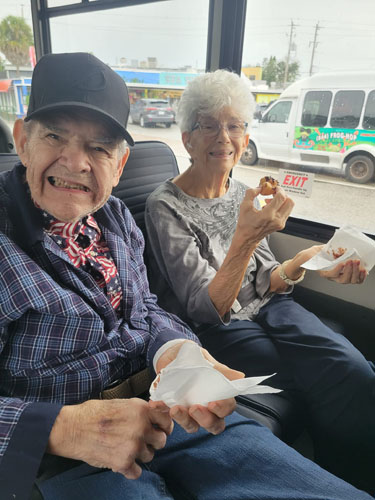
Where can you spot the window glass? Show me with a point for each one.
(279, 113)
(347, 108)
(316, 108)
(321, 60)
(140, 43)
(369, 117)
(17, 59)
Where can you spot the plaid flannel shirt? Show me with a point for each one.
(61, 341)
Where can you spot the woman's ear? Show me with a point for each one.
(185, 139)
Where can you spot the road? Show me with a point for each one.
(334, 200)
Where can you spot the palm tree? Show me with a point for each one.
(15, 39)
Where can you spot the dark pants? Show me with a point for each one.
(323, 367)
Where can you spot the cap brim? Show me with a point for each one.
(72, 104)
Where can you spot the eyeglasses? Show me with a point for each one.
(212, 129)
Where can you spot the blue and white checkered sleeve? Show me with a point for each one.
(24, 426)
(162, 325)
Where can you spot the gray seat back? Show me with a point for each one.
(150, 163)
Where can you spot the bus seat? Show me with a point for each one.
(6, 138)
(150, 163)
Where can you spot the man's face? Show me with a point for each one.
(71, 165)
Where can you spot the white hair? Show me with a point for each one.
(209, 93)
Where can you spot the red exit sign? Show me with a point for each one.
(298, 183)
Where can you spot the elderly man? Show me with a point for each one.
(78, 327)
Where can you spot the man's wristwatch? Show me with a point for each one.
(285, 278)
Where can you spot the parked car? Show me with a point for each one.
(149, 112)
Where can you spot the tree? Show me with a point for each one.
(293, 72)
(273, 71)
(269, 72)
(15, 39)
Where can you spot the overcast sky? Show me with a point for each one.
(175, 32)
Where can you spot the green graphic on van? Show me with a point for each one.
(335, 140)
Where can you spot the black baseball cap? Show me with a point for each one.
(79, 80)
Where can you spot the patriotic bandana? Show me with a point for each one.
(86, 248)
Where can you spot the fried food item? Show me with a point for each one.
(338, 252)
(268, 185)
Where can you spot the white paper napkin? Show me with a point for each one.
(355, 245)
(191, 379)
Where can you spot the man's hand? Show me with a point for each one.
(211, 417)
(348, 272)
(113, 434)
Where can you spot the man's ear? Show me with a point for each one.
(120, 167)
(20, 140)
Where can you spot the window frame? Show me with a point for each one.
(226, 30)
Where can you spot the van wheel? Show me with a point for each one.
(360, 169)
(250, 155)
(168, 125)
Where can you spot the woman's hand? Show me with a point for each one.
(292, 269)
(253, 224)
(192, 418)
(348, 272)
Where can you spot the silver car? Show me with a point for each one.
(149, 112)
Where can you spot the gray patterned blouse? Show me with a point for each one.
(188, 239)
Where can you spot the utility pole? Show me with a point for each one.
(314, 44)
(292, 26)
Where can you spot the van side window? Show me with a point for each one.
(369, 118)
(316, 108)
(279, 113)
(347, 108)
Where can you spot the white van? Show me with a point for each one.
(326, 120)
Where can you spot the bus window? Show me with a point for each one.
(279, 113)
(15, 76)
(137, 42)
(294, 57)
(369, 117)
(316, 108)
(347, 108)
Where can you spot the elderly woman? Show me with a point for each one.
(212, 266)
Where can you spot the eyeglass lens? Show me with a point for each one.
(235, 129)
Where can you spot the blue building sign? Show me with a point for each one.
(139, 76)
(170, 78)
(179, 79)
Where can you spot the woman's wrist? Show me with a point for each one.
(244, 244)
(291, 273)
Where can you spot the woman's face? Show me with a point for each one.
(212, 145)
